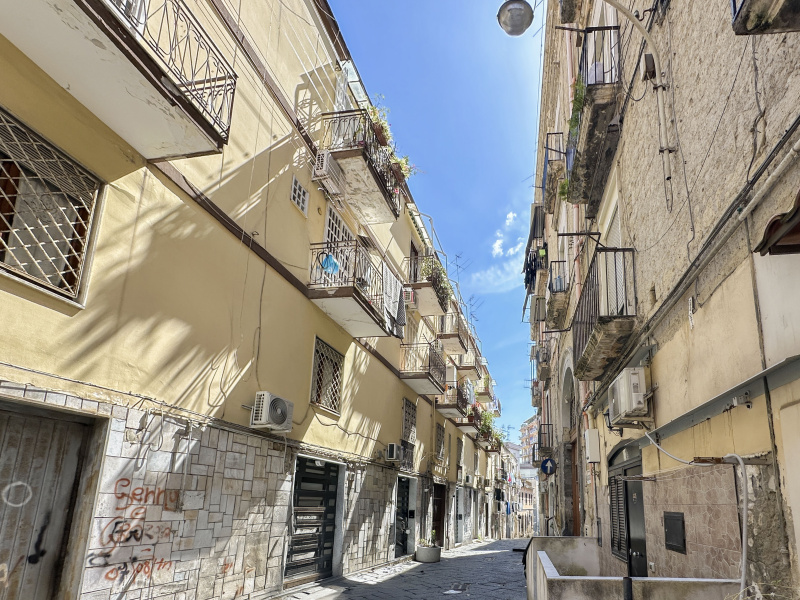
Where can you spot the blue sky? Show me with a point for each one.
(463, 101)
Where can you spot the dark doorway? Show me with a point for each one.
(401, 518)
(634, 507)
(310, 555)
(439, 503)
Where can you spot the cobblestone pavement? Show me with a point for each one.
(483, 571)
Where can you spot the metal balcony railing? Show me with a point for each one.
(458, 395)
(535, 454)
(347, 264)
(353, 130)
(559, 277)
(554, 162)
(171, 34)
(449, 324)
(407, 458)
(484, 386)
(424, 358)
(545, 436)
(468, 360)
(599, 63)
(609, 290)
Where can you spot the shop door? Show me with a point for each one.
(310, 555)
(401, 518)
(459, 502)
(439, 503)
(40, 460)
(634, 507)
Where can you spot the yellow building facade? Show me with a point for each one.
(196, 208)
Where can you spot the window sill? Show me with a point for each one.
(327, 411)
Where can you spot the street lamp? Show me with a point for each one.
(515, 16)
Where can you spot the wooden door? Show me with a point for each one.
(40, 460)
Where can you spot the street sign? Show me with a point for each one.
(548, 466)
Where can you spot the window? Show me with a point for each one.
(409, 421)
(46, 206)
(326, 377)
(299, 196)
(619, 535)
(440, 441)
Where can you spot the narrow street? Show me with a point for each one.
(485, 571)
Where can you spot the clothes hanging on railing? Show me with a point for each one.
(392, 290)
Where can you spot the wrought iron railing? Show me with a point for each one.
(484, 386)
(554, 153)
(407, 458)
(600, 63)
(347, 264)
(352, 130)
(535, 454)
(545, 436)
(609, 290)
(559, 277)
(429, 268)
(468, 360)
(456, 394)
(172, 35)
(450, 324)
(424, 358)
(498, 406)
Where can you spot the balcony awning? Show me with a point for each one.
(782, 233)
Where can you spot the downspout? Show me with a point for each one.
(661, 89)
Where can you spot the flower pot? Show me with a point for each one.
(428, 554)
(380, 134)
(398, 172)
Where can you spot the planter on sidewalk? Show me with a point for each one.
(428, 554)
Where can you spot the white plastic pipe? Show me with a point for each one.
(774, 177)
(743, 582)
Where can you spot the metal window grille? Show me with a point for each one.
(299, 196)
(326, 379)
(409, 421)
(460, 451)
(440, 441)
(47, 201)
(407, 461)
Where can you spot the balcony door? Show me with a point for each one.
(339, 240)
(614, 265)
(134, 11)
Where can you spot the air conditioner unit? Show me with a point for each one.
(328, 172)
(626, 396)
(394, 452)
(271, 412)
(409, 297)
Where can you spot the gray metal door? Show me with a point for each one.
(634, 508)
(39, 464)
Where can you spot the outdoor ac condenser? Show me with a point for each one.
(328, 172)
(271, 412)
(626, 396)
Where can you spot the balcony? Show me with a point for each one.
(346, 282)
(594, 125)
(148, 70)
(428, 278)
(471, 423)
(535, 268)
(752, 17)
(423, 368)
(546, 441)
(454, 402)
(451, 331)
(543, 370)
(468, 365)
(557, 295)
(605, 316)
(496, 407)
(536, 394)
(536, 460)
(553, 169)
(373, 188)
(484, 389)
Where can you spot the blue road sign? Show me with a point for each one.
(548, 466)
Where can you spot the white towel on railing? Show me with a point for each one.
(392, 289)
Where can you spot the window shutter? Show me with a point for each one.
(619, 534)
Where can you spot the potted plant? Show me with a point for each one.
(378, 115)
(427, 550)
(432, 270)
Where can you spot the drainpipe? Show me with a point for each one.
(774, 177)
(661, 90)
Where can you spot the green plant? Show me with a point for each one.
(486, 426)
(379, 114)
(404, 163)
(563, 189)
(432, 270)
(429, 541)
(578, 99)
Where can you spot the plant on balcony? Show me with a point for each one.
(402, 166)
(563, 189)
(379, 114)
(578, 100)
(486, 426)
(433, 270)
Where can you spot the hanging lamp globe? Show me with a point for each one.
(515, 16)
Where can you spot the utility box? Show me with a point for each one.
(591, 443)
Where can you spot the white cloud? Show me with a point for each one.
(510, 218)
(499, 278)
(514, 250)
(497, 247)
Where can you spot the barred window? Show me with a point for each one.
(47, 201)
(299, 196)
(460, 452)
(440, 441)
(409, 421)
(326, 377)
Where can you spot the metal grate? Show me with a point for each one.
(407, 459)
(299, 196)
(440, 441)
(409, 421)
(46, 205)
(326, 379)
